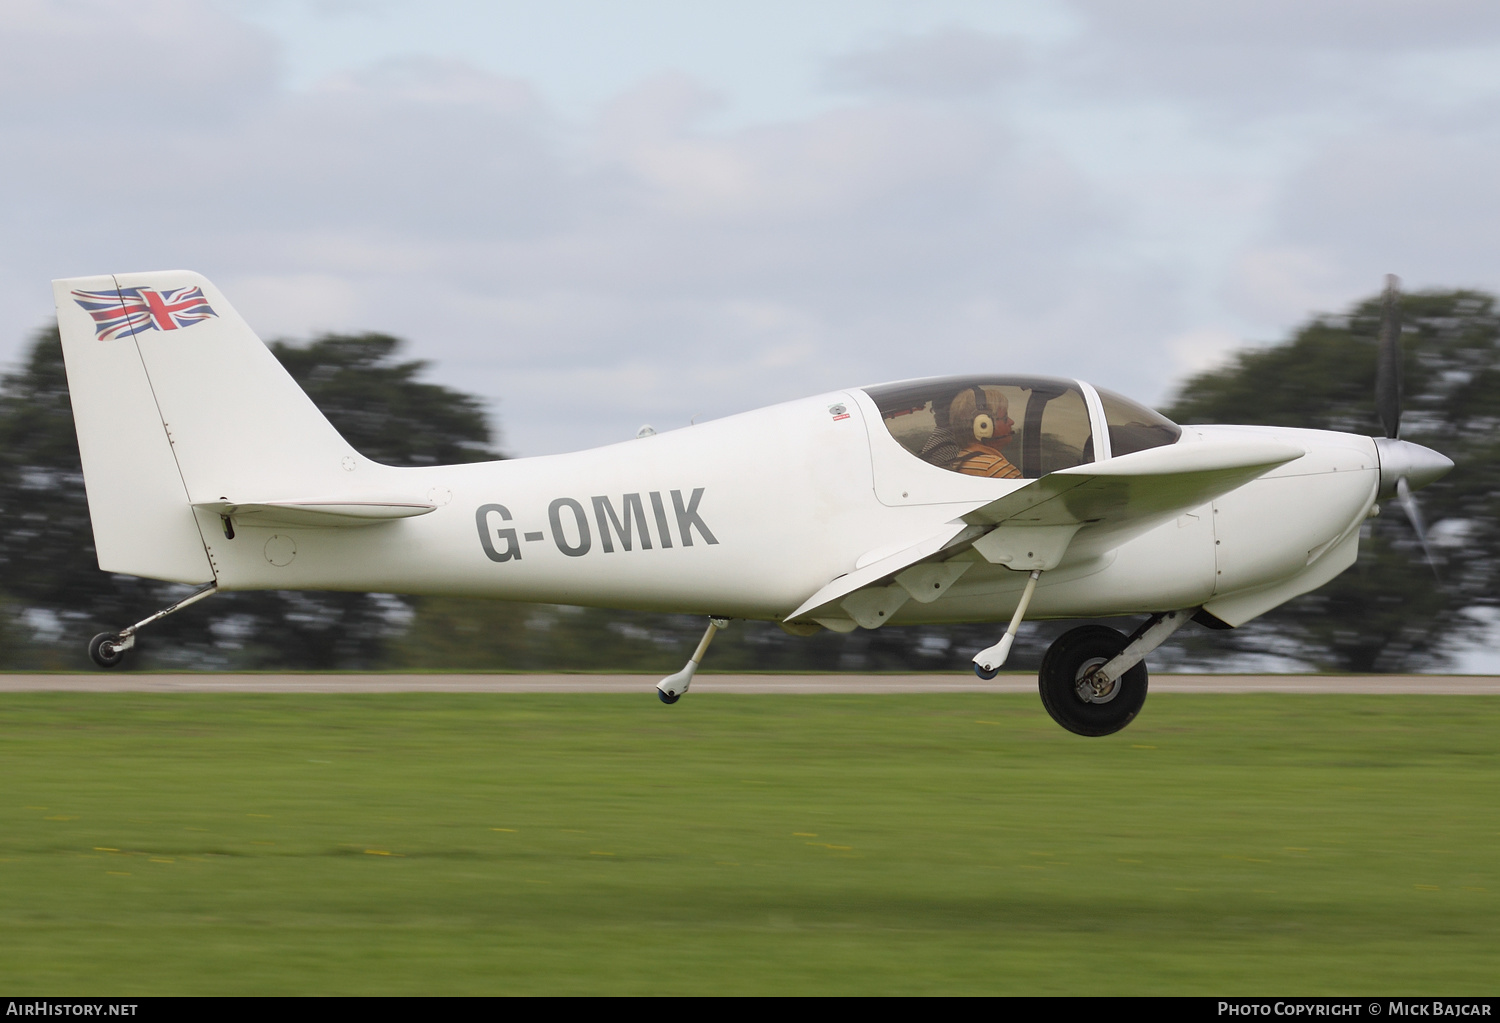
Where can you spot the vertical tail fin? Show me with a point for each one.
(176, 402)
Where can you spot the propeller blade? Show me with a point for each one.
(1414, 516)
(1388, 359)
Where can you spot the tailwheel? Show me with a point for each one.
(106, 650)
(1073, 695)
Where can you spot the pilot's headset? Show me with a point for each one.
(983, 423)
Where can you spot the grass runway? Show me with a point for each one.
(945, 843)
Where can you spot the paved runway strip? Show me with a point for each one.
(709, 683)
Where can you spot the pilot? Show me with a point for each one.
(980, 420)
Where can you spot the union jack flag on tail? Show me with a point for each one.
(132, 310)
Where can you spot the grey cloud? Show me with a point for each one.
(949, 64)
(1411, 189)
(1352, 25)
(1338, 60)
(414, 146)
(663, 106)
(643, 266)
(134, 62)
(1414, 199)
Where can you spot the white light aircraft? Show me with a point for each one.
(985, 498)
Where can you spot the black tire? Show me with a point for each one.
(1066, 663)
(104, 652)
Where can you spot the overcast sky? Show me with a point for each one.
(598, 214)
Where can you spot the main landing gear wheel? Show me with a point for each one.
(105, 651)
(1072, 696)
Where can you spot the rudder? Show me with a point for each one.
(143, 523)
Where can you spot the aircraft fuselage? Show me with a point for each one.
(746, 516)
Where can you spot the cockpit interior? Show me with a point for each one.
(1012, 427)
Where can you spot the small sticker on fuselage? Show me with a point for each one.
(839, 411)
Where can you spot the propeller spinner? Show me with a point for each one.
(1404, 466)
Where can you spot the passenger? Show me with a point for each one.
(940, 449)
(979, 419)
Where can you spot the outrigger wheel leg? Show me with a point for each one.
(671, 688)
(108, 648)
(988, 661)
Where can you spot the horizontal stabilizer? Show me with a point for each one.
(320, 512)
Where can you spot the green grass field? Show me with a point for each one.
(172, 844)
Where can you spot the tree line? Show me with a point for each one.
(1390, 612)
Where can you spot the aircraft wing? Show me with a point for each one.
(334, 511)
(1101, 505)
(1065, 516)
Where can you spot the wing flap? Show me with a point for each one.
(957, 536)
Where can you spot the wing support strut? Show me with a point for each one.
(988, 661)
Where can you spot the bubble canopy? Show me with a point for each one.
(1012, 426)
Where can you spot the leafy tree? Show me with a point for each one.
(381, 407)
(46, 546)
(1389, 612)
(47, 560)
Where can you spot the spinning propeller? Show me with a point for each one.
(1404, 466)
